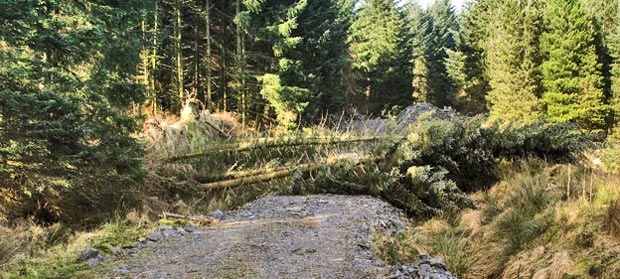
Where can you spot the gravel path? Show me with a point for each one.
(276, 237)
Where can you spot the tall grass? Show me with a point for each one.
(32, 251)
(526, 224)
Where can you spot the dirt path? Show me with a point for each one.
(276, 237)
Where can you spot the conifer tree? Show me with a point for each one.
(379, 53)
(323, 53)
(272, 25)
(572, 76)
(441, 46)
(67, 72)
(513, 58)
(419, 25)
(474, 25)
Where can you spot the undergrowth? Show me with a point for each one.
(51, 252)
(525, 226)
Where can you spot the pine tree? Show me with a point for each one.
(513, 57)
(571, 71)
(66, 73)
(442, 43)
(419, 25)
(379, 53)
(475, 83)
(323, 53)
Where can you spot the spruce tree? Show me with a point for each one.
(323, 53)
(67, 72)
(273, 25)
(379, 54)
(419, 27)
(571, 70)
(442, 44)
(513, 58)
(474, 23)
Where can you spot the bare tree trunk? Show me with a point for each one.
(179, 53)
(240, 66)
(154, 59)
(208, 58)
(282, 173)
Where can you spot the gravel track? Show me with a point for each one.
(321, 236)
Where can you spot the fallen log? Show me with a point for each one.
(268, 144)
(200, 219)
(283, 173)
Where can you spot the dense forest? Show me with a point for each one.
(298, 60)
(80, 78)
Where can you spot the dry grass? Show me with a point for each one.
(525, 227)
(611, 223)
(31, 251)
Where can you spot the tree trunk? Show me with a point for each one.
(178, 53)
(154, 59)
(208, 58)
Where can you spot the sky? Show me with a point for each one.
(458, 4)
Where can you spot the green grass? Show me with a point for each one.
(54, 256)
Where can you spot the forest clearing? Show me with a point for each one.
(310, 139)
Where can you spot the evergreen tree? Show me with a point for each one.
(272, 25)
(604, 24)
(571, 71)
(379, 54)
(441, 46)
(474, 30)
(419, 24)
(513, 58)
(323, 53)
(66, 71)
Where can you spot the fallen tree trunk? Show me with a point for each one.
(270, 143)
(283, 173)
(238, 174)
(201, 219)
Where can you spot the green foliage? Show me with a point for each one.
(379, 54)
(50, 252)
(63, 144)
(285, 100)
(470, 150)
(610, 155)
(436, 46)
(474, 22)
(323, 52)
(513, 58)
(457, 252)
(572, 75)
(523, 223)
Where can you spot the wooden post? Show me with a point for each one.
(585, 177)
(568, 184)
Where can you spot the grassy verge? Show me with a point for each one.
(526, 226)
(30, 251)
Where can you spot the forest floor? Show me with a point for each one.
(320, 236)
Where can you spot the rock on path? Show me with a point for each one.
(322, 236)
